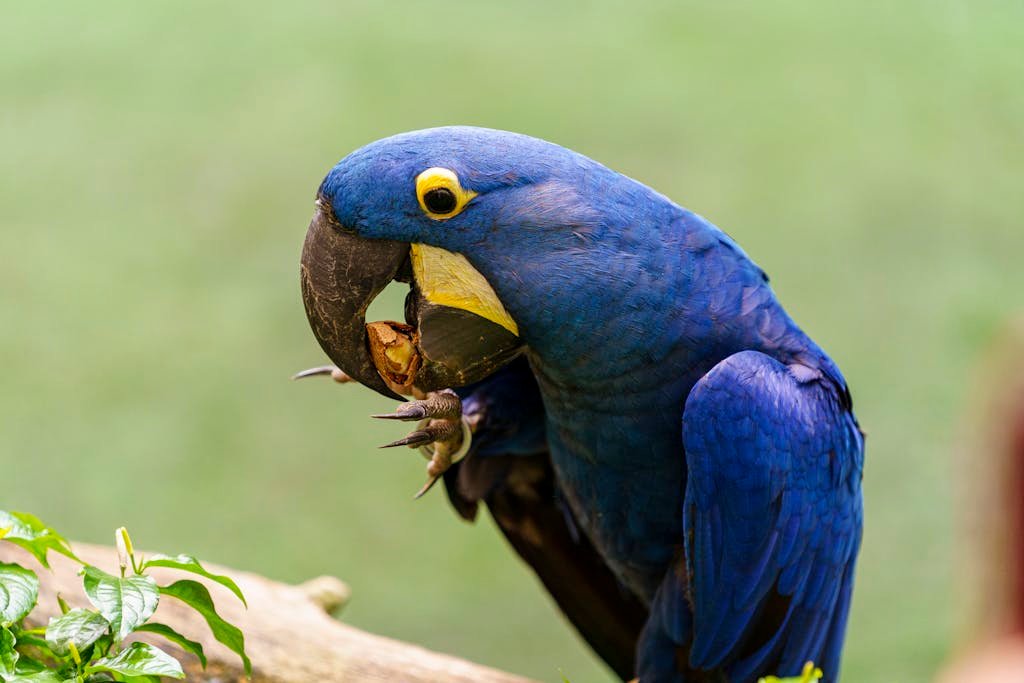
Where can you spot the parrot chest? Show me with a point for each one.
(614, 429)
(633, 516)
(622, 471)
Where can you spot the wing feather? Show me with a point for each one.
(773, 515)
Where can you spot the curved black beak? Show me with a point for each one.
(341, 274)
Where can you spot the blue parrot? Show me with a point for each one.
(678, 462)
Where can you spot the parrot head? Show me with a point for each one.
(479, 222)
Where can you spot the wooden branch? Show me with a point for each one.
(289, 633)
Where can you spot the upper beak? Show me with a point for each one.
(341, 274)
(457, 328)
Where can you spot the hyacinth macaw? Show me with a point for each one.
(655, 436)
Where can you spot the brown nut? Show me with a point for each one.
(394, 352)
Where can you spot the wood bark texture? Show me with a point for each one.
(289, 633)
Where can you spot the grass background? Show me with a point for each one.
(157, 168)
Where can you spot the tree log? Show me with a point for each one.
(289, 633)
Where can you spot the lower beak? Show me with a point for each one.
(457, 328)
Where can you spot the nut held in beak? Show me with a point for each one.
(393, 349)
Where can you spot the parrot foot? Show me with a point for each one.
(336, 374)
(443, 434)
(429, 431)
(441, 405)
(442, 454)
(341, 377)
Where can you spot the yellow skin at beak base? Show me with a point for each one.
(447, 279)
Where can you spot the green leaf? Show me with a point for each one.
(27, 665)
(176, 638)
(19, 589)
(30, 533)
(139, 659)
(8, 655)
(190, 564)
(31, 671)
(195, 595)
(31, 640)
(82, 627)
(36, 677)
(126, 602)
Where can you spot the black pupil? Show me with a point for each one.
(440, 200)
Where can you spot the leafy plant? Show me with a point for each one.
(87, 645)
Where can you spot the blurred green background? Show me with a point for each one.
(157, 168)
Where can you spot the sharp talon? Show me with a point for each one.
(440, 405)
(313, 372)
(437, 430)
(426, 487)
(336, 374)
(417, 438)
(413, 410)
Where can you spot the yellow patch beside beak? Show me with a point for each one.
(447, 279)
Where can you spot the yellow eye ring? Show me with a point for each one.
(440, 195)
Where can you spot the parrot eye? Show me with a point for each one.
(440, 194)
(440, 200)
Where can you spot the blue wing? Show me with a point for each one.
(772, 523)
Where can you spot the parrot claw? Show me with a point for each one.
(440, 405)
(431, 480)
(440, 431)
(443, 434)
(417, 438)
(336, 374)
(445, 452)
